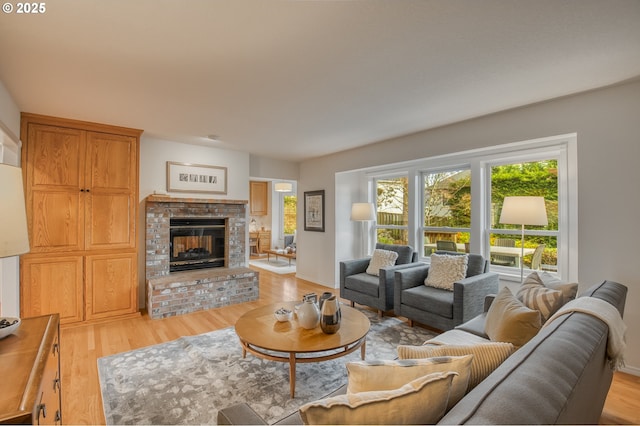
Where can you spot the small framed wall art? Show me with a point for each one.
(314, 211)
(187, 177)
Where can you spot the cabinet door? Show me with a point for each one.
(52, 284)
(111, 174)
(258, 203)
(111, 285)
(55, 188)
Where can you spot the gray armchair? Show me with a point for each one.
(377, 292)
(439, 308)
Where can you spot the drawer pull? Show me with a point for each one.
(56, 384)
(42, 409)
(58, 416)
(56, 348)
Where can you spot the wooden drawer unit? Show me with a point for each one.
(30, 371)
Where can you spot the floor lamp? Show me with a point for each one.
(363, 212)
(523, 211)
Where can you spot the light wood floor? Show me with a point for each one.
(81, 346)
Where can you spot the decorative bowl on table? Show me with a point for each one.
(8, 325)
(283, 314)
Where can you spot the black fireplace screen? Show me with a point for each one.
(196, 243)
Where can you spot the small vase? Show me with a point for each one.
(330, 315)
(324, 297)
(308, 315)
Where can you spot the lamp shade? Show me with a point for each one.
(363, 212)
(14, 239)
(524, 211)
(283, 187)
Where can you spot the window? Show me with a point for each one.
(289, 208)
(447, 210)
(458, 198)
(392, 210)
(531, 178)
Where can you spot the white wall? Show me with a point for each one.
(9, 154)
(606, 122)
(154, 154)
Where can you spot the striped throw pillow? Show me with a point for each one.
(535, 295)
(486, 356)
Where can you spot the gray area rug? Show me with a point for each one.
(187, 380)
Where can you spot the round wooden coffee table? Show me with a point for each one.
(260, 332)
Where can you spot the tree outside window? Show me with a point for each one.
(392, 210)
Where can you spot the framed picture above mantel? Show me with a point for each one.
(198, 178)
(314, 211)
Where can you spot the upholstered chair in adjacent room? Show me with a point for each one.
(443, 308)
(374, 288)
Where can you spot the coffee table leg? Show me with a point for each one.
(363, 349)
(292, 374)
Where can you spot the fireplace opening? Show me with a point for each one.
(196, 243)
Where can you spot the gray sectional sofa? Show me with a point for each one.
(561, 376)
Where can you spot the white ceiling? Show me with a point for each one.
(299, 79)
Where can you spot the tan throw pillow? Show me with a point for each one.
(534, 295)
(508, 320)
(365, 376)
(486, 356)
(381, 259)
(446, 270)
(421, 401)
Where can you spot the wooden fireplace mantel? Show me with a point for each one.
(155, 198)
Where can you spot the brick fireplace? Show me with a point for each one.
(230, 281)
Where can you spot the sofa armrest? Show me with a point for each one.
(469, 294)
(488, 300)
(239, 414)
(355, 266)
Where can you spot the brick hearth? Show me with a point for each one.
(170, 294)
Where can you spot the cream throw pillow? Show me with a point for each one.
(381, 259)
(445, 270)
(486, 356)
(365, 376)
(508, 320)
(421, 401)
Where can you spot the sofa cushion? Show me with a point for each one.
(439, 301)
(508, 320)
(365, 376)
(486, 356)
(405, 253)
(445, 270)
(363, 283)
(421, 401)
(381, 259)
(475, 326)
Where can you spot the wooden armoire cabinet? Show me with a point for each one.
(81, 190)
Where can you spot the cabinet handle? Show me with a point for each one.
(88, 190)
(42, 408)
(56, 348)
(81, 189)
(56, 384)
(58, 416)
